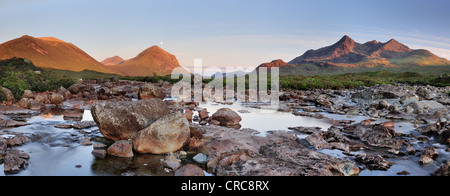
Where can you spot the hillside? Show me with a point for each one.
(153, 60)
(49, 52)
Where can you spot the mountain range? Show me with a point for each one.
(349, 56)
(342, 57)
(53, 53)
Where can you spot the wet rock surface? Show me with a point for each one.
(376, 129)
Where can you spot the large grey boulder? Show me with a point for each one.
(121, 120)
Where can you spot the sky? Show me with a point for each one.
(227, 32)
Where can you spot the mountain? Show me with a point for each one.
(348, 53)
(153, 60)
(275, 63)
(348, 56)
(115, 60)
(50, 52)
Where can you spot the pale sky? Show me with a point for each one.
(227, 32)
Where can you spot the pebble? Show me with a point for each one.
(200, 158)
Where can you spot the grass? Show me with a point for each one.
(18, 75)
(355, 80)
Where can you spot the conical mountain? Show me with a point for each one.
(50, 52)
(153, 60)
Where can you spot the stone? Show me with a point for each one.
(389, 124)
(200, 158)
(15, 160)
(150, 91)
(85, 142)
(3, 146)
(307, 130)
(323, 100)
(8, 95)
(99, 153)
(373, 162)
(28, 94)
(121, 148)
(203, 114)
(428, 155)
(375, 135)
(73, 115)
(56, 99)
(190, 170)
(242, 153)
(122, 120)
(84, 125)
(421, 107)
(171, 162)
(227, 117)
(99, 146)
(17, 140)
(167, 134)
(405, 100)
(444, 170)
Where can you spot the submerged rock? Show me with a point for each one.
(373, 162)
(167, 134)
(121, 120)
(190, 170)
(121, 148)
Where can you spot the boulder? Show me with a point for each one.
(227, 117)
(323, 100)
(9, 96)
(121, 120)
(56, 99)
(203, 114)
(167, 134)
(121, 148)
(28, 94)
(150, 91)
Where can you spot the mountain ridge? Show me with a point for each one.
(50, 52)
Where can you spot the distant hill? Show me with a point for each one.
(153, 60)
(50, 52)
(115, 60)
(275, 63)
(348, 56)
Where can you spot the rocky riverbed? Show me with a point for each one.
(114, 127)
